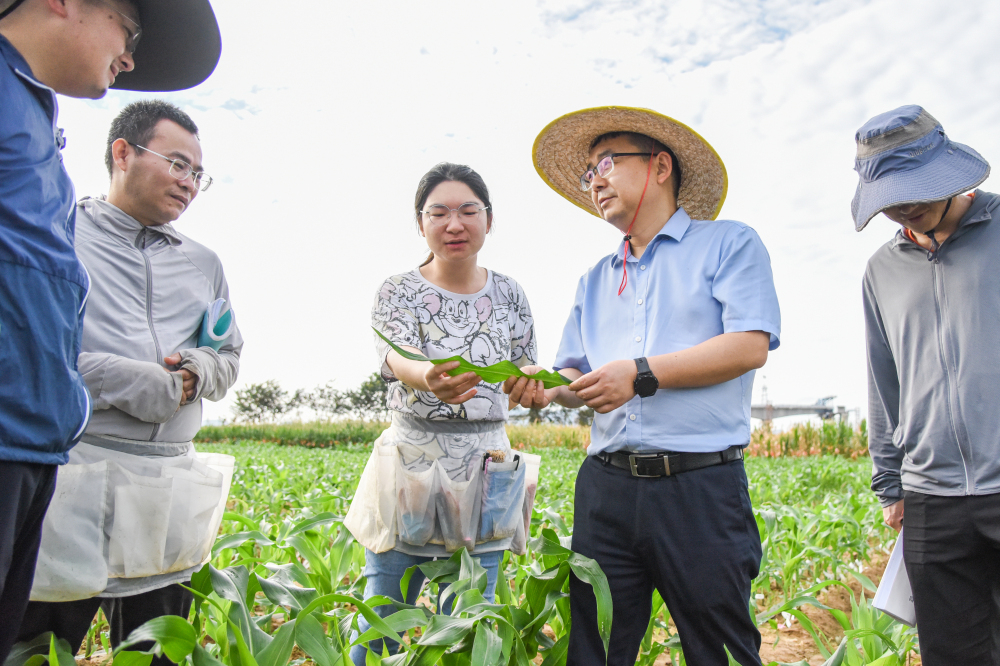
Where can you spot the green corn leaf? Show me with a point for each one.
(202, 657)
(556, 656)
(172, 634)
(238, 539)
(486, 649)
(590, 572)
(446, 630)
(283, 594)
(312, 639)
(133, 658)
(279, 650)
(312, 523)
(493, 374)
(38, 650)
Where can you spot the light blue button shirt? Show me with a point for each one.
(697, 279)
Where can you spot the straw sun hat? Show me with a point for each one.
(562, 149)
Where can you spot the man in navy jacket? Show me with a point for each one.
(77, 48)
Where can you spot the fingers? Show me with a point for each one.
(173, 359)
(588, 379)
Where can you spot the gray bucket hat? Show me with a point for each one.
(179, 48)
(904, 157)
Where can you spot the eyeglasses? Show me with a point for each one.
(131, 37)
(440, 214)
(603, 168)
(180, 170)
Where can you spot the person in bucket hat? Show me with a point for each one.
(931, 295)
(662, 342)
(77, 48)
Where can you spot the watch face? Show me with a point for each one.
(646, 385)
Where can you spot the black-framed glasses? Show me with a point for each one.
(603, 168)
(180, 170)
(440, 214)
(131, 37)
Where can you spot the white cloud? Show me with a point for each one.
(321, 118)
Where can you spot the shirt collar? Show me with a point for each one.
(121, 224)
(675, 228)
(14, 58)
(978, 212)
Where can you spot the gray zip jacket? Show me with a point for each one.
(150, 289)
(933, 335)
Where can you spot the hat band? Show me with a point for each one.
(904, 158)
(897, 137)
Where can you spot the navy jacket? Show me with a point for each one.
(44, 403)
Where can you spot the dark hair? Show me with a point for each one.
(137, 124)
(647, 144)
(448, 172)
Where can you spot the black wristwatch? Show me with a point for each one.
(645, 383)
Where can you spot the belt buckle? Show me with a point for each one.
(631, 462)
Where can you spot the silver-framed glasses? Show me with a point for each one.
(441, 214)
(131, 36)
(180, 170)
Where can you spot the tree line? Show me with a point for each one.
(267, 402)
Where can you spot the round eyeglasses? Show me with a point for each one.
(440, 214)
(180, 170)
(131, 36)
(603, 168)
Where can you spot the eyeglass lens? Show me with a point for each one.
(441, 213)
(181, 170)
(603, 168)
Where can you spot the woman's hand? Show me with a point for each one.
(452, 390)
(529, 393)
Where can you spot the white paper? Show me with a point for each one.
(894, 596)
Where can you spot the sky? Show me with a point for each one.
(322, 116)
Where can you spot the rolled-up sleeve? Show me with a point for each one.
(883, 404)
(571, 353)
(141, 389)
(744, 285)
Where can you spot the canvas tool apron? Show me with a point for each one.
(489, 502)
(129, 509)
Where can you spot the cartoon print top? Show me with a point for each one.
(485, 328)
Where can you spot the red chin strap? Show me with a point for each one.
(628, 232)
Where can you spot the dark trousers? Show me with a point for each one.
(951, 547)
(27, 489)
(71, 619)
(692, 537)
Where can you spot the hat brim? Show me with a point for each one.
(562, 149)
(179, 48)
(956, 170)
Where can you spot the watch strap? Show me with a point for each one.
(642, 365)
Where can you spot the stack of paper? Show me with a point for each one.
(216, 325)
(894, 596)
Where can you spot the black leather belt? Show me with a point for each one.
(667, 464)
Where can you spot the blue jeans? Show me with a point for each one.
(384, 571)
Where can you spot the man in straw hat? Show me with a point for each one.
(931, 298)
(78, 48)
(662, 342)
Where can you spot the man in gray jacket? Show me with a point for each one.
(932, 298)
(141, 359)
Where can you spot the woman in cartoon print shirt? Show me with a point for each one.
(432, 474)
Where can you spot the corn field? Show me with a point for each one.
(285, 582)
